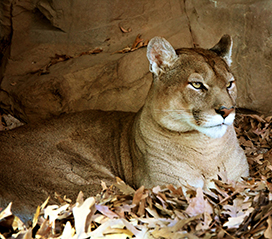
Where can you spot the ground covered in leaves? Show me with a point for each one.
(230, 210)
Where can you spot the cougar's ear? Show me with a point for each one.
(224, 48)
(160, 54)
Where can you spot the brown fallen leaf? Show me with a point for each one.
(169, 231)
(126, 189)
(59, 58)
(36, 216)
(45, 229)
(205, 224)
(146, 42)
(141, 44)
(28, 234)
(268, 231)
(137, 41)
(177, 191)
(124, 50)
(104, 186)
(198, 204)
(80, 198)
(125, 30)
(94, 51)
(138, 195)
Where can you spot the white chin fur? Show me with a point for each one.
(213, 132)
(216, 126)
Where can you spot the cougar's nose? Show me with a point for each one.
(224, 111)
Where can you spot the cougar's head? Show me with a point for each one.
(193, 89)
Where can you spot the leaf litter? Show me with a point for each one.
(230, 210)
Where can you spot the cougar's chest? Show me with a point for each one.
(177, 158)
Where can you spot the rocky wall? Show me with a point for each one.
(47, 67)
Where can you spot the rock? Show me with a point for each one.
(33, 32)
(103, 81)
(87, 82)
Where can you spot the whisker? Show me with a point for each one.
(233, 68)
(239, 97)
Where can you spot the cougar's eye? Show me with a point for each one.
(197, 85)
(229, 84)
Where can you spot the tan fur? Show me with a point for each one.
(170, 140)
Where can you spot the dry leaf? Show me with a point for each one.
(81, 210)
(146, 42)
(177, 191)
(166, 232)
(138, 43)
(156, 189)
(94, 51)
(235, 222)
(44, 204)
(126, 189)
(104, 186)
(36, 216)
(68, 231)
(198, 204)
(124, 30)
(138, 195)
(28, 234)
(106, 211)
(235, 209)
(45, 229)
(6, 212)
(109, 224)
(137, 40)
(55, 212)
(268, 231)
(80, 198)
(205, 224)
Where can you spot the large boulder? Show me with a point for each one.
(33, 32)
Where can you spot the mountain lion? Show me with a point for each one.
(183, 135)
